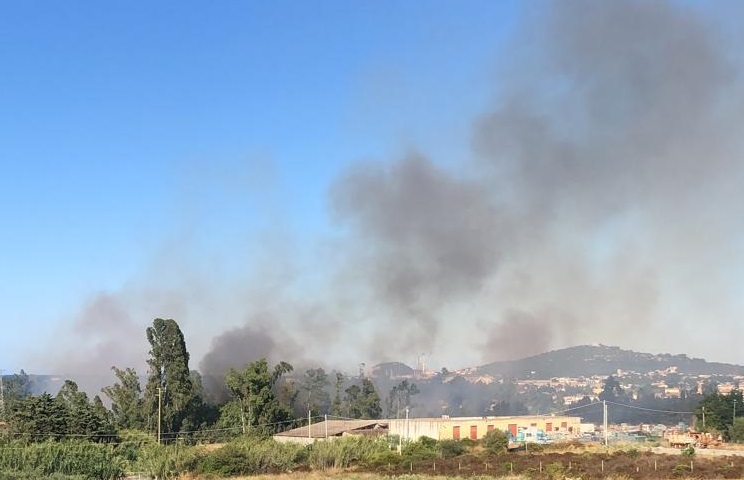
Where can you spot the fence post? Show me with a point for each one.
(602, 465)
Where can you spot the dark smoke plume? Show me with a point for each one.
(601, 204)
(615, 134)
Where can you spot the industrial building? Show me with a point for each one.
(535, 428)
(331, 429)
(457, 428)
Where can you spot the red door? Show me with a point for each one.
(456, 432)
(473, 432)
(549, 427)
(513, 429)
(489, 428)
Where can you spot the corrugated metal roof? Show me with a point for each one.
(335, 427)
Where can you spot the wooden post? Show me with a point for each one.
(654, 464)
(602, 465)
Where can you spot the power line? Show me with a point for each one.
(565, 410)
(635, 407)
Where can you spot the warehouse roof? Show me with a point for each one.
(334, 428)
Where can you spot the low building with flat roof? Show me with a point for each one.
(456, 428)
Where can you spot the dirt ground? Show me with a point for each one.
(554, 466)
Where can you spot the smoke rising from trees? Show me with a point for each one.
(600, 204)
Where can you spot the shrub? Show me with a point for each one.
(535, 447)
(422, 449)
(450, 448)
(688, 451)
(680, 470)
(468, 443)
(81, 459)
(347, 451)
(496, 441)
(248, 456)
(555, 471)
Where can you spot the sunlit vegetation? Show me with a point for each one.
(169, 429)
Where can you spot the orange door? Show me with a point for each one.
(473, 432)
(513, 429)
(549, 427)
(489, 428)
(456, 432)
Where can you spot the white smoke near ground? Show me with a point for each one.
(601, 204)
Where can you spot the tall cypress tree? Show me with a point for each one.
(168, 374)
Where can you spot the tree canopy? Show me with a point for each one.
(254, 389)
(168, 377)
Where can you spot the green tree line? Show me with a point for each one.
(263, 399)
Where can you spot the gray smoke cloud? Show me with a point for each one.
(601, 203)
(421, 237)
(605, 182)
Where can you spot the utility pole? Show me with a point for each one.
(703, 417)
(408, 437)
(604, 408)
(733, 417)
(309, 424)
(160, 406)
(242, 415)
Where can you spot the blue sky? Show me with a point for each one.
(386, 176)
(124, 123)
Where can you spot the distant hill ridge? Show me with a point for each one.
(587, 360)
(582, 361)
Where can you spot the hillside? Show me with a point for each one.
(587, 360)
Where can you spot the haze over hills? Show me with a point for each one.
(588, 360)
(578, 361)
